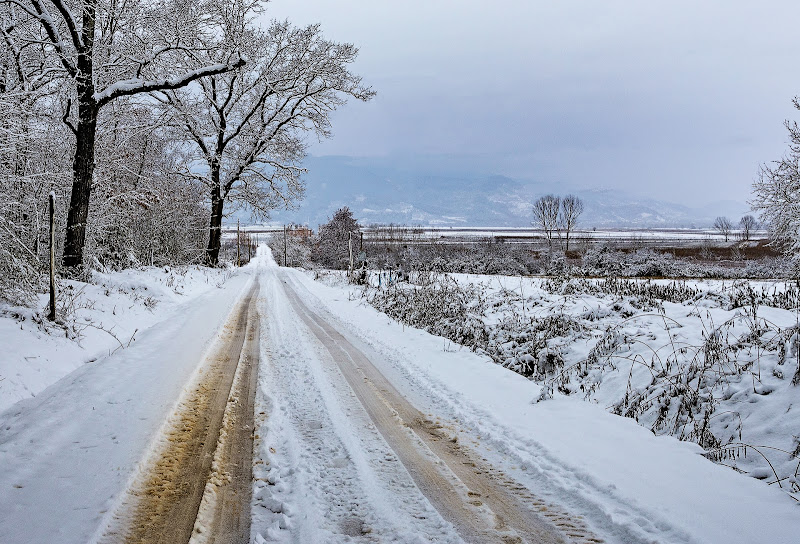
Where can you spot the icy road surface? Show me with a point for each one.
(364, 431)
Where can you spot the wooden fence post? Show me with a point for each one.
(52, 315)
(350, 245)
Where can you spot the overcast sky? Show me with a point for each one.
(674, 99)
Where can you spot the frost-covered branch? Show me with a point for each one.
(130, 87)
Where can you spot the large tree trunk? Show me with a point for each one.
(215, 227)
(82, 175)
(85, 134)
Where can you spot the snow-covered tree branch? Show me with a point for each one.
(777, 193)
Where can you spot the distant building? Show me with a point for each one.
(301, 232)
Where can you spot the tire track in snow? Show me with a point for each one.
(318, 441)
(224, 514)
(482, 503)
(163, 503)
(564, 488)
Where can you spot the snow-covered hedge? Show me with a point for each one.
(647, 263)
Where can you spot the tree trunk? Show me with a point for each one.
(85, 135)
(215, 227)
(52, 213)
(82, 175)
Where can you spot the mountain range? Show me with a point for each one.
(385, 190)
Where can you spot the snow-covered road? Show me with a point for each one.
(365, 431)
(412, 462)
(69, 454)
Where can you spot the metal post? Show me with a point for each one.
(52, 314)
(238, 249)
(284, 245)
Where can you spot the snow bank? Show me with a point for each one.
(99, 318)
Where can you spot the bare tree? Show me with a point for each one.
(545, 214)
(724, 226)
(102, 51)
(249, 126)
(777, 193)
(571, 210)
(748, 224)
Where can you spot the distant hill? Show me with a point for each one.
(385, 191)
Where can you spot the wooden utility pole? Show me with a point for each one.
(238, 244)
(52, 315)
(350, 244)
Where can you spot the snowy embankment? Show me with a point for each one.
(711, 362)
(97, 319)
(630, 484)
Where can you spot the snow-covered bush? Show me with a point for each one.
(332, 248)
(455, 258)
(443, 307)
(160, 223)
(604, 261)
(533, 346)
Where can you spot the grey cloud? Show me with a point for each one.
(672, 98)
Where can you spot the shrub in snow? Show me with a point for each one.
(606, 262)
(443, 307)
(21, 277)
(531, 347)
(332, 248)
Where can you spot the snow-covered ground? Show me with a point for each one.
(323, 471)
(99, 318)
(630, 485)
(70, 451)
